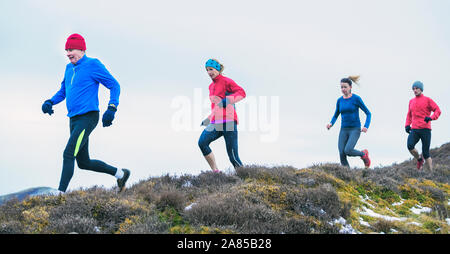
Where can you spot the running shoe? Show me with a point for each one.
(420, 162)
(366, 158)
(122, 181)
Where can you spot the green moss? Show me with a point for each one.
(411, 192)
(172, 216)
(361, 190)
(431, 225)
(405, 208)
(388, 195)
(367, 218)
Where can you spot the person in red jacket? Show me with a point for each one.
(223, 120)
(418, 124)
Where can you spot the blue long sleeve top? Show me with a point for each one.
(349, 110)
(80, 86)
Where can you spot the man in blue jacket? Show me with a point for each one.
(80, 90)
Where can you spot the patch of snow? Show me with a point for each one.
(371, 213)
(187, 184)
(415, 223)
(364, 223)
(398, 203)
(365, 199)
(393, 230)
(189, 207)
(341, 221)
(448, 221)
(418, 209)
(346, 228)
(97, 229)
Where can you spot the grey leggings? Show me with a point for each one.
(346, 144)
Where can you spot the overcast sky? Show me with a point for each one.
(289, 56)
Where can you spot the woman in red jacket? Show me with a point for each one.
(223, 120)
(418, 124)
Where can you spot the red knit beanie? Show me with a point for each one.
(76, 41)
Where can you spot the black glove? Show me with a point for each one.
(427, 119)
(108, 116)
(47, 107)
(407, 129)
(205, 122)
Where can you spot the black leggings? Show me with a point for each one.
(81, 127)
(214, 131)
(420, 134)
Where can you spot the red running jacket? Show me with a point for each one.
(220, 88)
(419, 108)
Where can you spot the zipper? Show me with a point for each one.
(71, 81)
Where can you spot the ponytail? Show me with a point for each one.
(221, 65)
(351, 79)
(355, 79)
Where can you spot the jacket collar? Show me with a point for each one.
(216, 78)
(81, 61)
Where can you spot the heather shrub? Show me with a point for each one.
(387, 183)
(150, 224)
(441, 211)
(213, 180)
(434, 193)
(248, 172)
(150, 197)
(171, 182)
(174, 199)
(317, 177)
(383, 226)
(144, 190)
(233, 210)
(73, 223)
(11, 210)
(104, 206)
(298, 226)
(341, 172)
(326, 228)
(321, 202)
(281, 174)
(11, 227)
(74, 205)
(345, 210)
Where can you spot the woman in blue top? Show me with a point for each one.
(348, 106)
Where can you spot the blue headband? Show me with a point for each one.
(213, 64)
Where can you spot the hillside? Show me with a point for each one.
(21, 195)
(324, 198)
